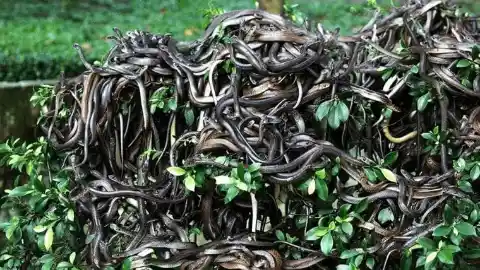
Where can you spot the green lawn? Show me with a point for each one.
(36, 37)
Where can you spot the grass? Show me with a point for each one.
(37, 37)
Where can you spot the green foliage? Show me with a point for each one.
(336, 112)
(42, 223)
(433, 140)
(242, 178)
(163, 99)
(468, 171)
(449, 241)
(380, 171)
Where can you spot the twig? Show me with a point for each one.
(26, 84)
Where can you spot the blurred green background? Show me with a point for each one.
(36, 36)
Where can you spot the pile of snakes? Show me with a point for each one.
(247, 92)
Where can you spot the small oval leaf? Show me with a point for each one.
(48, 238)
(176, 171)
(389, 175)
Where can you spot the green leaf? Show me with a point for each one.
(5, 257)
(359, 259)
(232, 192)
(280, 235)
(475, 52)
(466, 229)
(322, 189)
(342, 111)
(39, 228)
(347, 228)
(442, 231)
(343, 211)
(189, 116)
(406, 260)
(70, 215)
(326, 244)
(459, 165)
(362, 206)
(428, 136)
(370, 174)
(445, 256)
(48, 265)
(254, 167)
(64, 265)
(390, 158)
(414, 69)
(241, 171)
(426, 243)
(465, 186)
(474, 216)
(127, 264)
(389, 175)
(430, 258)
(448, 214)
(422, 102)
(311, 186)
(48, 239)
(343, 267)
(387, 73)
(190, 183)
(20, 191)
(322, 110)
(347, 254)
(176, 171)
(463, 63)
(224, 180)
(370, 263)
(385, 215)
(242, 186)
(71, 258)
(311, 234)
(321, 174)
(333, 119)
(475, 172)
(172, 104)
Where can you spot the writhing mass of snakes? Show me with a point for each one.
(254, 81)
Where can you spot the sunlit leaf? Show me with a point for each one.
(280, 235)
(326, 244)
(323, 109)
(466, 229)
(39, 228)
(347, 254)
(311, 186)
(342, 111)
(70, 215)
(190, 183)
(475, 172)
(385, 215)
(347, 228)
(389, 175)
(242, 186)
(48, 239)
(322, 189)
(232, 192)
(71, 258)
(463, 63)
(423, 101)
(224, 180)
(176, 171)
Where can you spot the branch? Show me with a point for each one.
(26, 84)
